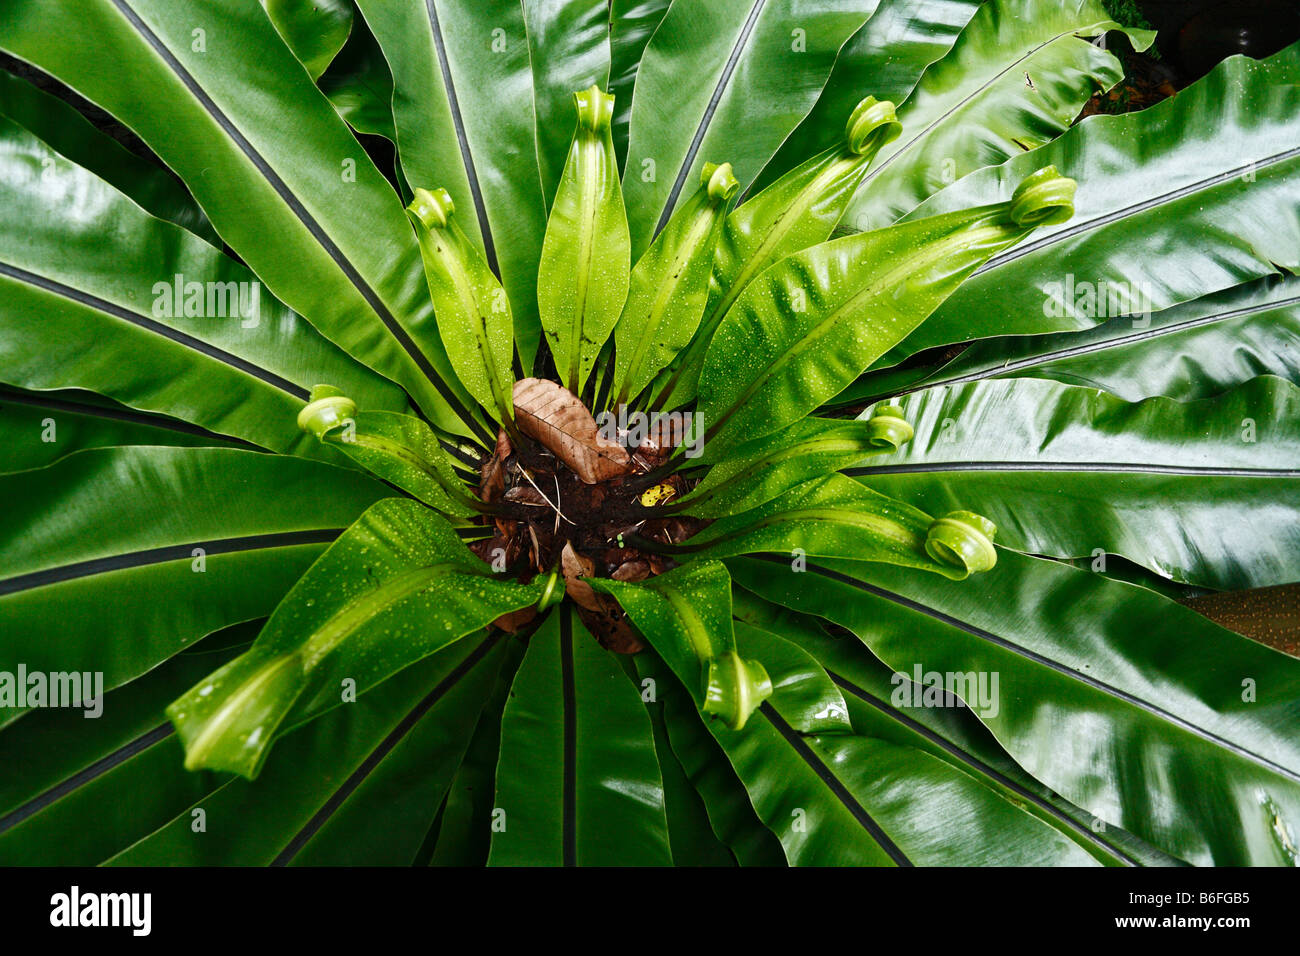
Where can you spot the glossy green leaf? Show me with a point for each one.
(464, 827)
(690, 832)
(386, 816)
(292, 192)
(669, 286)
(631, 24)
(577, 760)
(211, 346)
(39, 428)
(463, 105)
(838, 518)
(770, 466)
(1189, 351)
(889, 705)
(686, 616)
(886, 58)
(323, 768)
(836, 798)
(1015, 79)
(1088, 466)
(569, 49)
(123, 769)
(398, 448)
(731, 816)
(583, 279)
(1154, 178)
(396, 587)
(222, 533)
(1109, 694)
(472, 309)
(315, 30)
(708, 62)
(360, 86)
(801, 209)
(812, 323)
(149, 185)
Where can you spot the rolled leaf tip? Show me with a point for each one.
(962, 539)
(327, 409)
(871, 125)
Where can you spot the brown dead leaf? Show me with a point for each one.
(555, 417)
(576, 567)
(492, 480)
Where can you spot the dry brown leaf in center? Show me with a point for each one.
(555, 417)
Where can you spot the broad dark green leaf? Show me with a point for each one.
(39, 428)
(1015, 79)
(322, 769)
(690, 832)
(834, 797)
(1189, 351)
(885, 58)
(1125, 703)
(569, 49)
(397, 586)
(385, 820)
(122, 769)
(889, 705)
(463, 105)
(464, 827)
(706, 66)
(204, 83)
(360, 86)
(731, 816)
(209, 344)
(315, 30)
(222, 533)
(1204, 492)
(150, 186)
(1218, 161)
(631, 24)
(577, 760)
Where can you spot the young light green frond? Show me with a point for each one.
(394, 588)
(583, 278)
(812, 323)
(670, 286)
(398, 448)
(469, 303)
(686, 615)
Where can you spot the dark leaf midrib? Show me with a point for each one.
(833, 784)
(148, 324)
(129, 415)
(82, 777)
(309, 222)
(978, 765)
(175, 552)
(1084, 467)
(1063, 669)
(702, 129)
(1134, 209)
